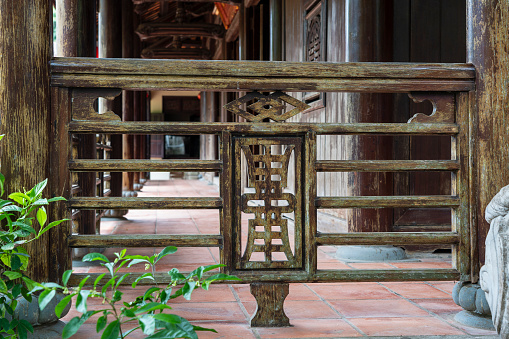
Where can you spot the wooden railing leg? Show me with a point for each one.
(269, 298)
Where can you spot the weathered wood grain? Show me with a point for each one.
(387, 201)
(385, 165)
(261, 83)
(321, 276)
(144, 203)
(262, 68)
(269, 299)
(182, 128)
(134, 165)
(146, 240)
(387, 238)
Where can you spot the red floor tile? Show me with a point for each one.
(404, 326)
(416, 291)
(439, 306)
(377, 308)
(352, 291)
(323, 328)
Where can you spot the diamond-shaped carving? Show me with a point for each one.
(266, 106)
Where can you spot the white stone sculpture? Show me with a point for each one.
(494, 275)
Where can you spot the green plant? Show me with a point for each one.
(147, 310)
(17, 220)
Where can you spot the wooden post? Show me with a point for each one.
(110, 46)
(25, 47)
(488, 50)
(366, 23)
(127, 96)
(270, 298)
(76, 37)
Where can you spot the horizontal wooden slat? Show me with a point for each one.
(264, 76)
(145, 240)
(382, 238)
(136, 165)
(385, 165)
(182, 128)
(387, 201)
(236, 84)
(144, 203)
(262, 68)
(321, 276)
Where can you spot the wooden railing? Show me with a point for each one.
(454, 80)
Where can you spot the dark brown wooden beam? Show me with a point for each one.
(387, 201)
(145, 203)
(113, 165)
(385, 165)
(183, 128)
(387, 238)
(176, 53)
(233, 2)
(145, 240)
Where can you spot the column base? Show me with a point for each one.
(366, 253)
(473, 300)
(270, 298)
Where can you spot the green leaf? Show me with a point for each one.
(13, 275)
(122, 279)
(165, 252)
(148, 324)
(45, 297)
(3, 287)
(74, 324)
(26, 325)
(81, 301)
(152, 307)
(16, 290)
(40, 202)
(56, 199)
(105, 287)
(147, 275)
(16, 263)
(188, 288)
(37, 190)
(66, 276)
(42, 217)
(168, 318)
(63, 304)
(95, 256)
(83, 282)
(149, 292)
(101, 323)
(50, 226)
(11, 208)
(112, 330)
(137, 261)
(220, 276)
(20, 198)
(98, 279)
(8, 247)
(32, 285)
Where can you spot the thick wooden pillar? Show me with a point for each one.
(76, 37)
(488, 50)
(25, 49)
(367, 40)
(270, 298)
(110, 46)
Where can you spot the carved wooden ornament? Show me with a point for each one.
(443, 107)
(266, 106)
(83, 100)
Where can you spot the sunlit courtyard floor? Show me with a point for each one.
(327, 310)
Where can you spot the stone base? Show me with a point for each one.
(365, 253)
(129, 194)
(137, 187)
(48, 331)
(476, 320)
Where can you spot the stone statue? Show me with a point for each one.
(494, 275)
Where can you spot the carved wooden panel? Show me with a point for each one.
(268, 244)
(266, 106)
(84, 100)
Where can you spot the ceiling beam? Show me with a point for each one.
(150, 30)
(233, 2)
(176, 53)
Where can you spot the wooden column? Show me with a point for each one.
(127, 96)
(110, 46)
(25, 47)
(76, 36)
(269, 301)
(488, 50)
(369, 40)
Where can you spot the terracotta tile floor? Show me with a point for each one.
(315, 310)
